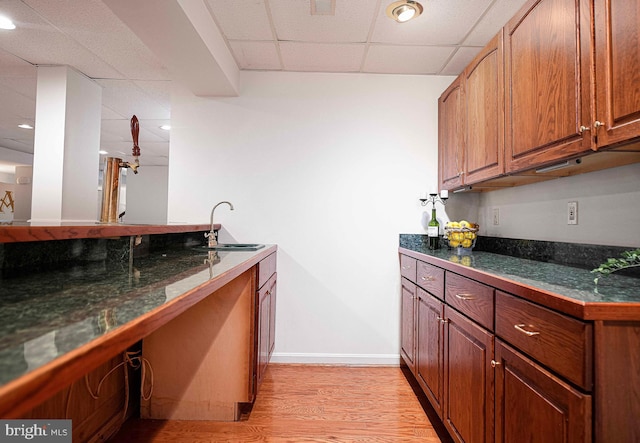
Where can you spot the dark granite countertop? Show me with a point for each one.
(46, 315)
(570, 285)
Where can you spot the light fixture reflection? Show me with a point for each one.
(404, 10)
(6, 23)
(25, 126)
(166, 127)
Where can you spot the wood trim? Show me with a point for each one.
(27, 232)
(30, 390)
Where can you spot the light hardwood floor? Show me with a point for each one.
(306, 403)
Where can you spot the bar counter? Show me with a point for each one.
(57, 325)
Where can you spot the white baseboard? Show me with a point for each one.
(337, 359)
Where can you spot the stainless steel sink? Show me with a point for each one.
(234, 247)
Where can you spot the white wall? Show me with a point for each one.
(329, 167)
(608, 209)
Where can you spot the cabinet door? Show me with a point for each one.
(451, 136)
(617, 70)
(468, 379)
(535, 406)
(264, 327)
(484, 123)
(407, 336)
(272, 316)
(429, 358)
(547, 75)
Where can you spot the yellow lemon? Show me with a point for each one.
(454, 243)
(466, 243)
(465, 224)
(470, 235)
(457, 236)
(454, 225)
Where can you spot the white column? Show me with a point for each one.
(66, 145)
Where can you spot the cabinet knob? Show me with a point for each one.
(521, 328)
(597, 124)
(494, 363)
(429, 278)
(584, 128)
(442, 320)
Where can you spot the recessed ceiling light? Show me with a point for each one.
(404, 10)
(25, 126)
(101, 152)
(166, 127)
(6, 23)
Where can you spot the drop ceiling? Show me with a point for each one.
(263, 35)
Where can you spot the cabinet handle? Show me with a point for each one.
(429, 278)
(494, 363)
(522, 329)
(404, 268)
(597, 124)
(442, 320)
(584, 128)
(465, 297)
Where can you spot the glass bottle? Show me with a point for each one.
(433, 230)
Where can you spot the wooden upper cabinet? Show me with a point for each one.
(484, 107)
(617, 49)
(451, 136)
(547, 81)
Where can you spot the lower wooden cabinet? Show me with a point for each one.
(408, 321)
(482, 387)
(266, 321)
(430, 348)
(535, 406)
(468, 379)
(265, 316)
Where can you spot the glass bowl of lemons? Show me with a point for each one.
(461, 235)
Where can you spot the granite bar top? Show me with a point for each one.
(571, 285)
(27, 232)
(46, 316)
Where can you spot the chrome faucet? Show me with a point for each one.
(212, 235)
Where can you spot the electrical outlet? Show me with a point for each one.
(496, 216)
(572, 213)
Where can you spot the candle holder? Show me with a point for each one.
(433, 198)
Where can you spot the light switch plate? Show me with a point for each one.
(572, 213)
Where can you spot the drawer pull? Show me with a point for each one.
(465, 297)
(429, 278)
(494, 363)
(442, 320)
(522, 329)
(404, 268)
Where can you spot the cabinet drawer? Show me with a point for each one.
(431, 278)
(561, 343)
(473, 299)
(266, 268)
(408, 267)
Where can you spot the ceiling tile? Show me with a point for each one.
(14, 67)
(38, 42)
(321, 57)
(406, 59)
(350, 24)
(441, 23)
(497, 16)
(460, 60)
(242, 19)
(256, 55)
(125, 98)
